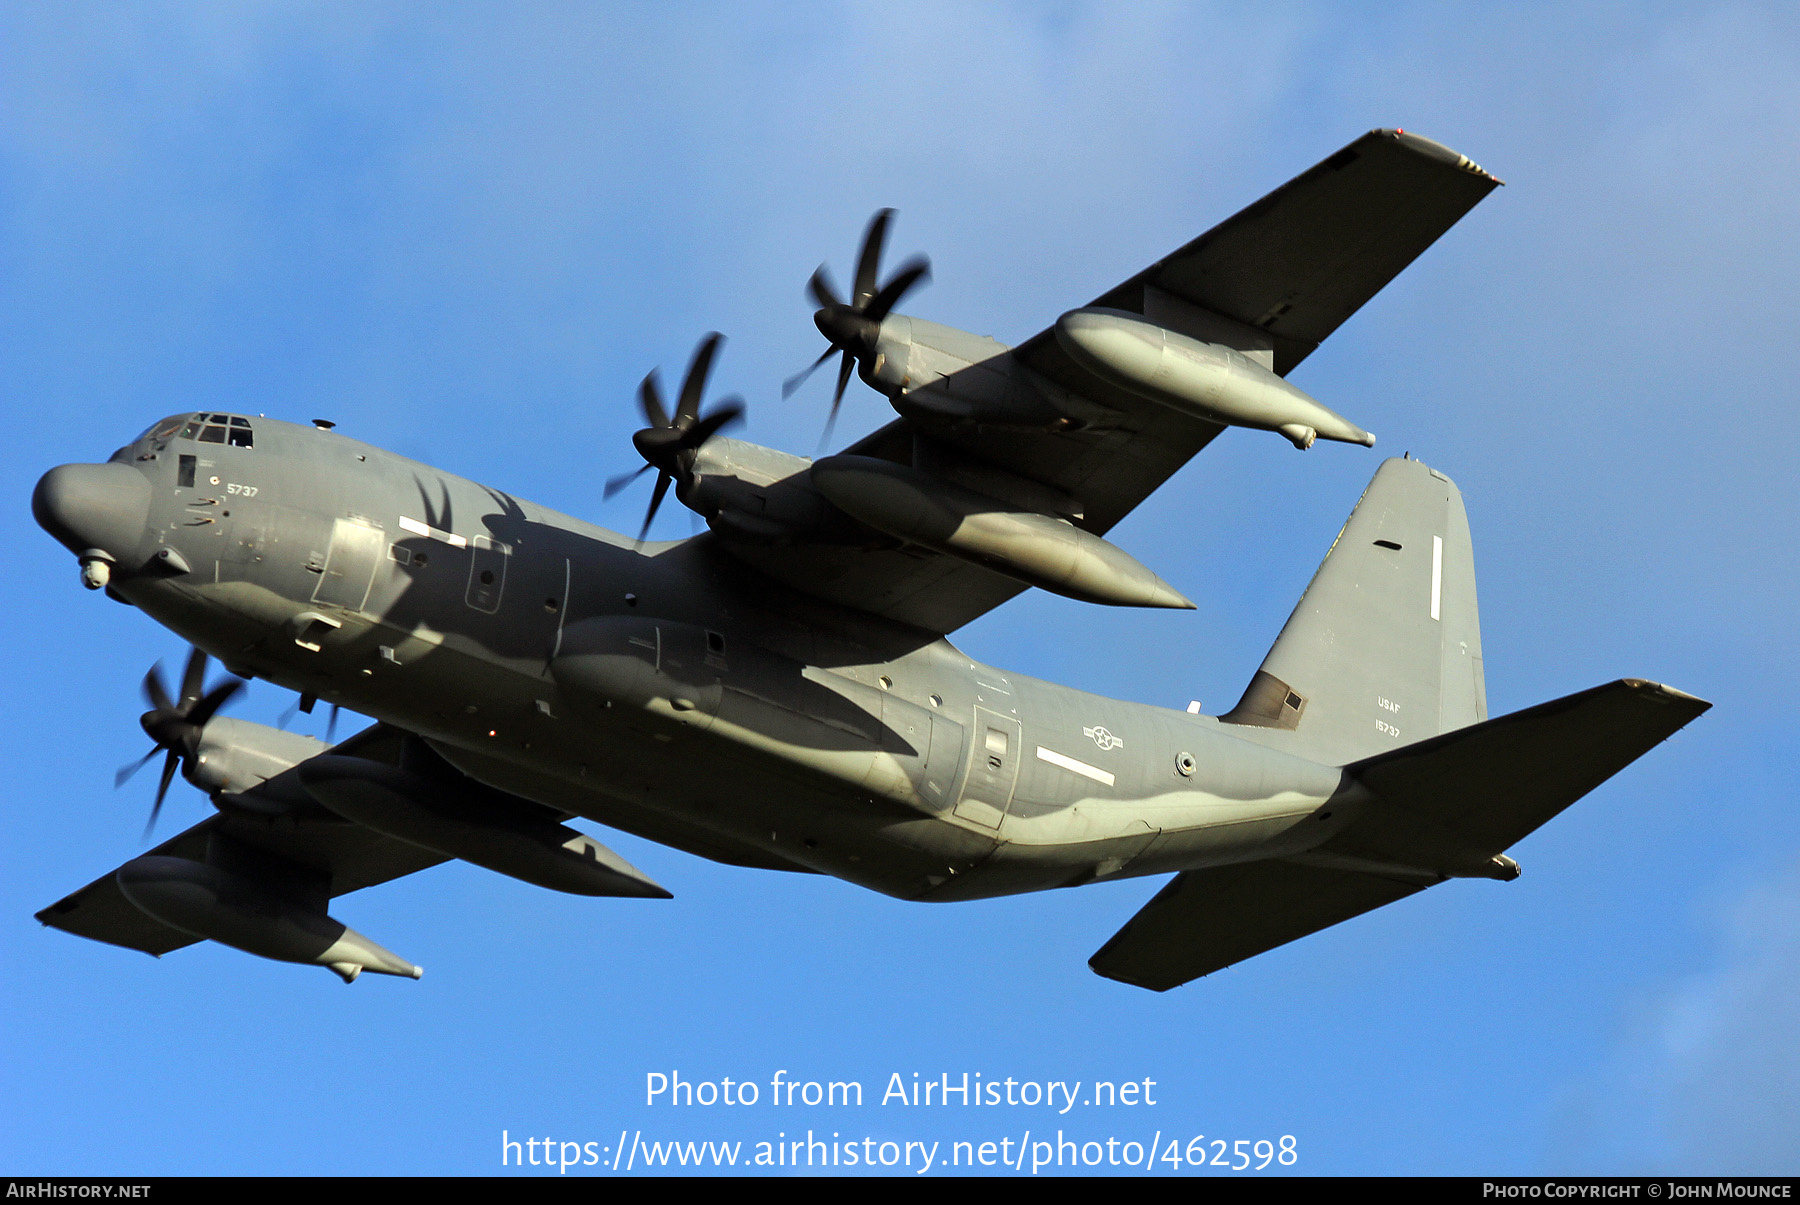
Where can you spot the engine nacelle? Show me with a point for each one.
(235, 756)
(938, 375)
(749, 492)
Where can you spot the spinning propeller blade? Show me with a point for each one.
(668, 444)
(852, 327)
(175, 724)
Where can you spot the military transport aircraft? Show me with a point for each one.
(779, 691)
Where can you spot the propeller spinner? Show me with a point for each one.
(175, 724)
(852, 326)
(668, 444)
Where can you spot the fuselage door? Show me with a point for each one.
(944, 761)
(993, 768)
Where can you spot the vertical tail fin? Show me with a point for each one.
(1384, 648)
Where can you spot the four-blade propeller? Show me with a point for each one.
(668, 444)
(852, 326)
(175, 724)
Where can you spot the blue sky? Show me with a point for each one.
(465, 235)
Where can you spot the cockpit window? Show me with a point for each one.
(218, 429)
(163, 429)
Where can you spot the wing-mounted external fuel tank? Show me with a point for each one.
(1207, 380)
(244, 911)
(1038, 549)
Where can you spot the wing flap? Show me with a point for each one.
(1205, 920)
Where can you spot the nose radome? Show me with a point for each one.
(100, 507)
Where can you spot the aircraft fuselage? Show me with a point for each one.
(670, 691)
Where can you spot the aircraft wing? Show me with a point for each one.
(1273, 281)
(351, 856)
(1300, 261)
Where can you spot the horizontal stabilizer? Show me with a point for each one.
(1445, 806)
(1481, 789)
(1205, 920)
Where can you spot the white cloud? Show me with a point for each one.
(1707, 1080)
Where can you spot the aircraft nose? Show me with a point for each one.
(94, 508)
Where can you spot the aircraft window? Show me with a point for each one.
(996, 749)
(191, 431)
(218, 418)
(212, 435)
(239, 422)
(185, 475)
(163, 429)
(240, 436)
